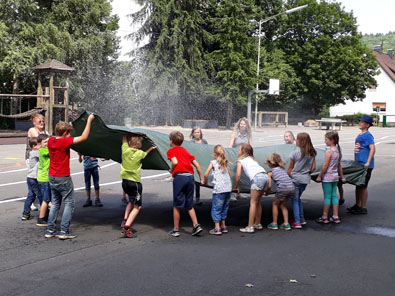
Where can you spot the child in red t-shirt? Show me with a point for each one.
(59, 177)
(183, 182)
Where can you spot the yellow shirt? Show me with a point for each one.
(131, 163)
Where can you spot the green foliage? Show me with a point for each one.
(388, 40)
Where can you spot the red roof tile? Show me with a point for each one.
(386, 63)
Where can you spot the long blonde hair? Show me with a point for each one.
(221, 157)
(248, 127)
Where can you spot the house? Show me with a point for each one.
(379, 100)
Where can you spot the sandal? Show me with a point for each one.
(322, 220)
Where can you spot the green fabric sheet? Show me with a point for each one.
(105, 141)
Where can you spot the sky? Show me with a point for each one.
(373, 16)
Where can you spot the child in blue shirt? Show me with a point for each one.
(364, 154)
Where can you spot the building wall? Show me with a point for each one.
(384, 93)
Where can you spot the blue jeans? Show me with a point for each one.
(62, 188)
(94, 172)
(45, 191)
(297, 202)
(220, 206)
(32, 191)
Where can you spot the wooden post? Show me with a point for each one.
(51, 102)
(40, 100)
(46, 106)
(66, 101)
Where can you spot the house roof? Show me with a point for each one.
(53, 65)
(387, 63)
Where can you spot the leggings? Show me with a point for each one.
(330, 197)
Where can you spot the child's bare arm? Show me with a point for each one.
(269, 186)
(328, 154)
(340, 170)
(230, 174)
(313, 167)
(232, 139)
(174, 163)
(197, 166)
(238, 175)
(86, 131)
(150, 149)
(210, 167)
(371, 154)
(291, 167)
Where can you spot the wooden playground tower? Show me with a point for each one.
(54, 96)
(52, 99)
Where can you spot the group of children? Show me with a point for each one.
(290, 184)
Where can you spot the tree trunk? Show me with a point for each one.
(229, 112)
(15, 90)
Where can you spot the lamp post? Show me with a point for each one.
(259, 53)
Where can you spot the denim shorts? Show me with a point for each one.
(45, 191)
(260, 182)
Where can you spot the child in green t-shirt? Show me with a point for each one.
(43, 180)
(131, 180)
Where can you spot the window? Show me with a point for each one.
(379, 107)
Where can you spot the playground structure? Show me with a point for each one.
(272, 118)
(52, 99)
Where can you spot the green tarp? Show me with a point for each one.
(105, 141)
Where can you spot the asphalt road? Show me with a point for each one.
(354, 258)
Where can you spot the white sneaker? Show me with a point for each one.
(258, 226)
(247, 229)
(33, 208)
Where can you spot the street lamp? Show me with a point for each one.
(259, 55)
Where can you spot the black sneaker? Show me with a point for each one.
(364, 211)
(197, 229)
(98, 203)
(66, 235)
(353, 208)
(41, 222)
(360, 211)
(25, 217)
(50, 234)
(88, 203)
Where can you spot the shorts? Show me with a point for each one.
(134, 190)
(45, 191)
(284, 194)
(94, 172)
(367, 178)
(183, 187)
(260, 182)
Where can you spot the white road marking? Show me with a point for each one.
(82, 188)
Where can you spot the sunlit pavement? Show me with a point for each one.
(353, 258)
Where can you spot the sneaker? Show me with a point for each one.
(127, 233)
(285, 226)
(322, 220)
(123, 231)
(98, 203)
(334, 220)
(215, 231)
(197, 229)
(123, 223)
(296, 225)
(25, 217)
(341, 202)
(174, 233)
(353, 208)
(50, 234)
(273, 226)
(364, 211)
(33, 208)
(87, 203)
(359, 211)
(303, 222)
(66, 235)
(247, 229)
(258, 226)
(224, 229)
(41, 222)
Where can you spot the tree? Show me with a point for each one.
(79, 33)
(322, 45)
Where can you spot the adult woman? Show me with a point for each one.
(37, 129)
(241, 134)
(197, 137)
